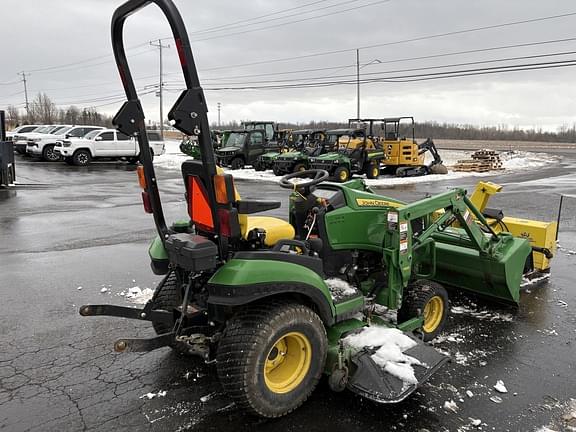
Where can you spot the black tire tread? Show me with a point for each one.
(415, 298)
(243, 333)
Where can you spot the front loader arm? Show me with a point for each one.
(401, 243)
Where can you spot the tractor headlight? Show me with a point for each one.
(335, 162)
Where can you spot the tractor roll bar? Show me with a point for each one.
(188, 115)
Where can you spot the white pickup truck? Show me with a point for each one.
(42, 145)
(105, 144)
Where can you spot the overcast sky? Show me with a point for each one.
(65, 47)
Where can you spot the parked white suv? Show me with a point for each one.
(43, 145)
(105, 144)
(19, 134)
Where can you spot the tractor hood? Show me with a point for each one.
(291, 155)
(326, 157)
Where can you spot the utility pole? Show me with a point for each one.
(161, 84)
(219, 106)
(358, 83)
(25, 94)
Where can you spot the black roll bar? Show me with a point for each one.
(188, 115)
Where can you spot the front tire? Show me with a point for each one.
(342, 174)
(237, 163)
(82, 158)
(429, 300)
(299, 167)
(271, 357)
(48, 154)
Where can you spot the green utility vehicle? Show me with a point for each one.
(285, 142)
(355, 154)
(242, 148)
(277, 304)
(310, 143)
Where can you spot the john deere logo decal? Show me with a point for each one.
(366, 202)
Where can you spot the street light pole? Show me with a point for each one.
(358, 83)
(161, 85)
(219, 105)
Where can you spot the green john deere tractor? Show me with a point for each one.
(355, 154)
(277, 304)
(311, 143)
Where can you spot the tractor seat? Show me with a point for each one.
(275, 229)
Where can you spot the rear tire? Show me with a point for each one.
(428, 299)
(82, 158)
(237, 163)
(259, 166)
(271, 357)
(373, 170)
(166, 298)
(276, 171)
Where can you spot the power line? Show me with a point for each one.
(295, 21)
(235, 23)
(409, 78)
(408, 69)
(398, 42)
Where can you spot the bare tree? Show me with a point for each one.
(12, 116)
(43, 110)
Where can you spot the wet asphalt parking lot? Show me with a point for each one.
(65, 227)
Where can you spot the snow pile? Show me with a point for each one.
(391, 344)
(513, 161)
(138, 295)
(340, 288)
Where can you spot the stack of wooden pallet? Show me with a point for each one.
(482, 161)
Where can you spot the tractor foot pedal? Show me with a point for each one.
(373, 382)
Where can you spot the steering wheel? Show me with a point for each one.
(315, 175)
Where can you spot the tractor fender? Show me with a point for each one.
(243, 281)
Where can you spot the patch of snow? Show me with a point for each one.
(469, 393)
(450, 406)
(500, 387)
(496, 399)
(79, 288)
(545, 429)
(516, 161)
(531, 281)
(138, 295)
(161, 393)
(482, 315)
(207, 397)
(475, 422)
(453, 337)
(340, 288)
(390, 355)
(103, 290)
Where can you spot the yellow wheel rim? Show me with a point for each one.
(375, 171)
(433, 312)
(288, 363)
(343, 175)
(302, 168)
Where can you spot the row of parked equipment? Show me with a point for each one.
(367, 146)
(79, 144)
